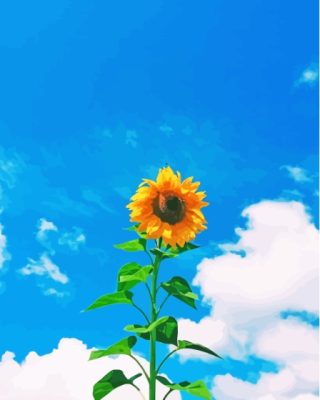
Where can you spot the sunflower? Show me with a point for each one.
(169, 208)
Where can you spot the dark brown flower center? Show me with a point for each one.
(169, 207)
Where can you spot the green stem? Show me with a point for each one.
(149, 255)
(148, 290)
(165, 359)
(153, 334)
(167, 394)
(163, 303)
(136, 387)
(141, 311)
(140, 365)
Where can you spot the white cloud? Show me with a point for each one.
(44, 267)
(73, 239)
(273, 267)
(66, 374)
(309, 76)
(270, 386)
(288, 339)
(298, 174)
(45, 226)
(4, 255)
(294, 346)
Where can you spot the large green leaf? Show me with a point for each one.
(166, 330)
(185, 344)
(132, 245)
(124, 346)
(111, 381)
(131, 274)
(123, 297)
(179, 288)
(197, 388)
(186, 247)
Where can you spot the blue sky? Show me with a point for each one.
(97, 95)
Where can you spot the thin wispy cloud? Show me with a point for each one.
(73, 239)
(132, 138)
(10, 166)
(54, 292)
(45, 267)
(93, 197)
(124, 191)
(4, 254)
(309, 76)
(166, 129)
(52, 239)
(298, 174)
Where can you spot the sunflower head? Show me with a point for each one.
(169, 208)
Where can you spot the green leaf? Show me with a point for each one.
(163, 254)
(132, 245)
(134, 228)
(125, 270)
(131, 274)
(166, 330)
(123, 297)
(186, 247)
(124, 346)
(197, 388)
(179, 288)
(185, 344)
(148, 328)
(111, 381)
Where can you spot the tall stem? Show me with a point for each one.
(153, 334)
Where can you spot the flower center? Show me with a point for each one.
(169, 207)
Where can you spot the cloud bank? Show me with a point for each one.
(272, 268)
(66, 374)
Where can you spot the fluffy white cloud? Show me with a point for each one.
(45, 226)
(66, 374)
(270, 386)
(294, 345)
(298, 174)
(273, 267)
(289, 339)
(44, 267)
(309, 76)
